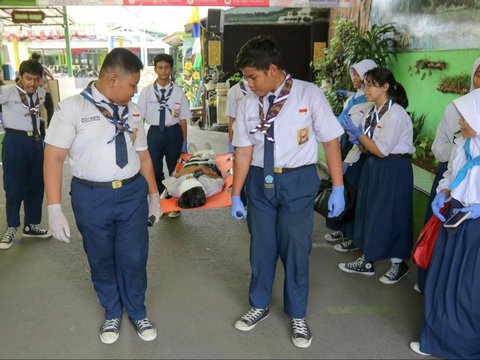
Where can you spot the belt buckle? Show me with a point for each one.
(117, 184)
(29, 133)
(277, 170)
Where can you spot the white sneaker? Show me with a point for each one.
(301, 335)
(6, 241)
(416, 287)
(251, 318)
(174, 214)
(145, 329)
(415, 346)
(110, 331)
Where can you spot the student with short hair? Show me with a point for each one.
(165, 108)
(102, 132)
(276, 134)
(22, 153)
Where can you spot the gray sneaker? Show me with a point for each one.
(346, 246)
(301, 335)
(7, 240)
(251, 318)
(110, 331)
(145, 329)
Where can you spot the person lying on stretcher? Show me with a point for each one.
(199, 179)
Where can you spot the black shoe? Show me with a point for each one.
(110, 331)
(301, 335)
(359, 266)
(251, 318)
(6, 241)
(145, 329)
(395, 273)
(335, 236)
(31, 230)
(346, 246)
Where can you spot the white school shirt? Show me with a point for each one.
(305, 118)
(79, 126)
(177, 103)
(15, 114)
(394, 132)
(234, 95)
(447, 131)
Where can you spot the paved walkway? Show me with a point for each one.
(198, 282)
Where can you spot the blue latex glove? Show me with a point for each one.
(238, 211)
(353, 139)
(342, 93)
(474, 208)
(231, 148)
(437, 204)
(345, 167)
(350, 127)
(184, 148)
(336, 201)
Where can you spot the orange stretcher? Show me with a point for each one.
(223, 199)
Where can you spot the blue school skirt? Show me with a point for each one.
(384, 208)
(451, 322)
(351, 180)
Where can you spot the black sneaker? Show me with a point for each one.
(359, 266)
(395, 273)
(335, 236)
(251, 318)
(110, 331)
(31, 230)
(7, 240)
(145, 329)
(346, 246)
(301, 335)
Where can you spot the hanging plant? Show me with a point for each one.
(457, 84)
(427, 65)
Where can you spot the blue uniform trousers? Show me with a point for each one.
(22, 177)
(113, 224)
(281, 228)
(166, 144)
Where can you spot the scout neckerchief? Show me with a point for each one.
(266, 120)
(243, 88)
(32, 110)
(121, 124)
(163, 102)
(465, 168)
(374, 117)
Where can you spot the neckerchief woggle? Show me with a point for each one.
(267, 119)
(121, 125)
(370, 123)
(158, 94)
(465, 168)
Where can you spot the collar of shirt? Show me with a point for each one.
(98, 97)
(163, 87)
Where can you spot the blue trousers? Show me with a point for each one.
(166, 144)
(281, 228)
(113, 224)
(22, 178)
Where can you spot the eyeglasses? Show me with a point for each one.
(367, 84)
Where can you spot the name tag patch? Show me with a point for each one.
(91, 118)
(303, 135)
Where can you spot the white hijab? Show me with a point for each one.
(468, 191)
(474, 69)
(362, 67)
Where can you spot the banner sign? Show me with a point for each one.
(233, 3)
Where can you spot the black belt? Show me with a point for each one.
(279, 170)
(116, 184)
(19, 132)
(166, 126)
(399, 156)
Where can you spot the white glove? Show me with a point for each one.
(154, 208)
(58, 223)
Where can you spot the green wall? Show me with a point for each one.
(423, 95)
